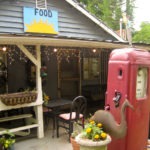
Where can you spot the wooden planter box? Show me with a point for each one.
(18, 98)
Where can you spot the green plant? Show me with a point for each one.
(45, 98)
(7, 140)
(77, 128)
(94, 131)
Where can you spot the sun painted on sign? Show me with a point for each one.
(40, 21)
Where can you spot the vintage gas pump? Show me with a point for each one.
(129, 77)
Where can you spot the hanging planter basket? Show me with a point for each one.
(18, 98)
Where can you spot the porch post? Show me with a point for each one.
(38, 108)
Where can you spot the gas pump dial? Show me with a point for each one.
(141, 83)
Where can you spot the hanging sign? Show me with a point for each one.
(40, 20)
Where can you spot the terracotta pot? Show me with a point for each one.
(75, 145)
(86, 144)
(1, 147)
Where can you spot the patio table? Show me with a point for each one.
(56, 105)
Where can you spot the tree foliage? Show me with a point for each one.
(109, 11)
(143, 35)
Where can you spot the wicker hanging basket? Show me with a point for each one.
(18, 98)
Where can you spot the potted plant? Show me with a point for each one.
(93, 137)
(46, 98)
(76, 130)
(7, 141)
(75, 145)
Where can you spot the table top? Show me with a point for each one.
(58, 103)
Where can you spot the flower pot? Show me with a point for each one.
(1, 147)
(7, 141)
(75, 145)
(87, 144)
(9, 148)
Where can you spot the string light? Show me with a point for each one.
(4, 48)
(94, 50)
(55, 50)
(13, 53)
(61, 53)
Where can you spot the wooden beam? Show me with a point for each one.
(17, 40)
(27, 53)
(56, 42)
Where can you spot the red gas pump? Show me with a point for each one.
(129, 77)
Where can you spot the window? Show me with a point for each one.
(41, 4)
(91, 68)
(141, 82)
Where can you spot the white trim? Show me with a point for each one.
(86, 13)
(20, 40)
(17, 40)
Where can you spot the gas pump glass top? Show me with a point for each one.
(141, 83)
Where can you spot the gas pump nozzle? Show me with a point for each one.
(117, 98)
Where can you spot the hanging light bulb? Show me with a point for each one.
(4, 48)
(55, 50)
(94, 50)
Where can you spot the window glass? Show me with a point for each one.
(141, 82)
(91, 68)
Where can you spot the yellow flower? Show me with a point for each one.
(94, 131)
(96, 137)
(46, 97)
(103, 135)
(7, 142)
(6, 145)
(99, 125)
(88, 130)
(92, 122)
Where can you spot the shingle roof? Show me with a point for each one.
(79, 7)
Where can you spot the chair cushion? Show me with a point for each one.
(66, 116)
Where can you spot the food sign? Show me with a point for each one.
(40, 20)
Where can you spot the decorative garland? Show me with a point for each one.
(2, 74)
(2, 66)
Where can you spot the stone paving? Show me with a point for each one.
(46, 143)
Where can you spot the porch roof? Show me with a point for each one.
(80, 8)
(64, 42)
